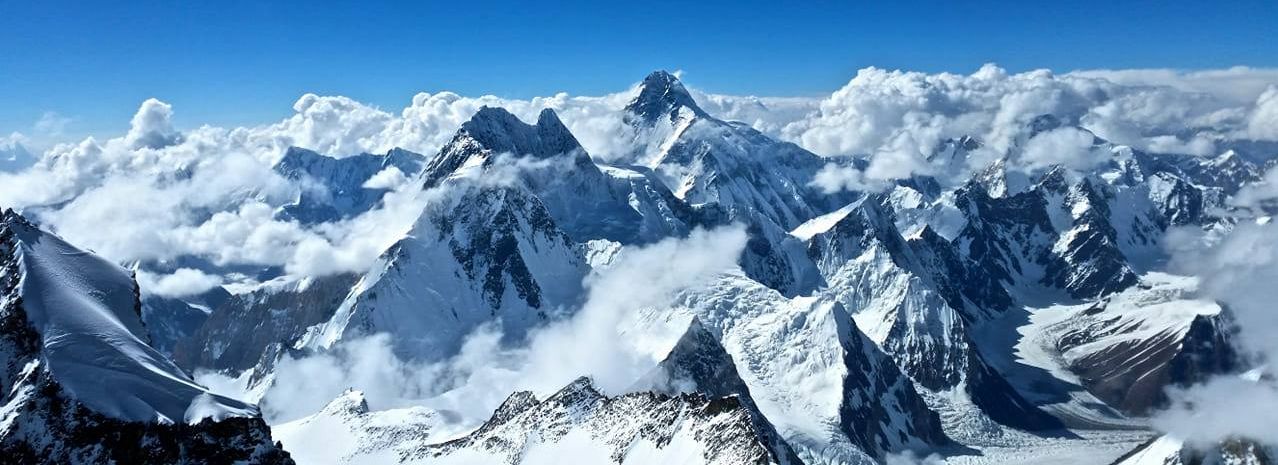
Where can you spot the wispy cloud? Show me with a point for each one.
(470, 385)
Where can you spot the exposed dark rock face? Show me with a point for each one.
(52, 429)
(1166, 451)
(660, 95)
(257, 327)
(488, 246)
(699, 363)
(919, 288)
(1133, 375)
(863, 418)
(776, 259)
(1000, 230)
(1088, 262)
(169, 320)
(959, 280)
(1057, 233)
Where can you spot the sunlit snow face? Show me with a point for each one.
(485, 372)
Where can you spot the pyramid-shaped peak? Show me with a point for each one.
(661, 78)
(15, 157)
(350, 402)
(548, 117)
(581, 391)
(661, 94)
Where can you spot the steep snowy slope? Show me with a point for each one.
(1056, 233)
(1087, 260)
(622, 204)
(80, 382)
(346, 432)
(828, 390)
(627, 205)
(776, 258)
(916, 299)
(640, 428)
(706, 160)
(336, 188)
(479, 254)
(698, 363)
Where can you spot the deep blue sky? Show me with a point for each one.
(246, 62)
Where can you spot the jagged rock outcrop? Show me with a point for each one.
(698, 363)
(907, 299)
(347, 431)
(252, 330)
(863, 407)
(640, 427)
(1056, 233)
(1128, 349)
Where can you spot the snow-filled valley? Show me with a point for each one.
(696, 290)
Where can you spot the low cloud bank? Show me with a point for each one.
(472, 384)
(1239, 270)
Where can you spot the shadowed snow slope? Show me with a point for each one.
(85, 309)
(337, 188)
(483, 254)
(78, 383)
(707, 160)
(829, 390)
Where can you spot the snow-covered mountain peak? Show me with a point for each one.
(480, 254)
(499, 131)
(493, 131)
(350, 402)
(865, 223)
(661, 95)
(636, 428)
(1044, 123)
(347, 432)
(334, 188)
(87, 314)
(1167, 450)
(1227, 158)
(15, 157)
